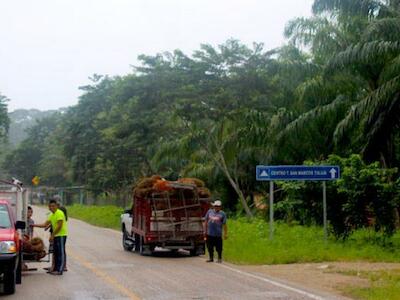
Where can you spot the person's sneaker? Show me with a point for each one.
(55, 273)
(219, 260)
(210, 260)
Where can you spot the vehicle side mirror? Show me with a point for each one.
(20, 225)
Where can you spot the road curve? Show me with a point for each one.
(98, 268)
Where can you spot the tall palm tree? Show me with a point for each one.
(372, 119)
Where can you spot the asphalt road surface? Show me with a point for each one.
(99, 268)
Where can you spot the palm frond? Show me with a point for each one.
(296, 126)
(375, 102)
(321, 90)
(173, 153)
(201, 170)
(253, 128)
(382, 100)
(380, 130)
(366, 8)
(301, 31)
(387, 29)
(364, 53)
(318, 33)
(391, 70)
(305, 68)
(310, 91)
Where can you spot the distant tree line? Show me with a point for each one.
(333, 88)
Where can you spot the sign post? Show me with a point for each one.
(297, 173)
(271, 210)
(325, 210)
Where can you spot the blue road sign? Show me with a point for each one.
(311, 173)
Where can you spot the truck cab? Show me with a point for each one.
(126, 224)
(10, 248)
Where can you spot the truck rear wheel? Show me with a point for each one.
(193, 252)
(126, 242)
(198, 250)
(137, 243)
(9, 282)
(141, 246)
(145, 249)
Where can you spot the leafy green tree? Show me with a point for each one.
(23, 162)
(368, 104)
(4, 119)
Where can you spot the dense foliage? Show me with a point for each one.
(365, 196)
(4, 119)
(334, 88)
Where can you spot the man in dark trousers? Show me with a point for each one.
(214, 224)
(58, 236)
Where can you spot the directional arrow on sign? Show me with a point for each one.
(333, 173)
(264, 174)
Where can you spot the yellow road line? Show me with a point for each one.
(104, 276)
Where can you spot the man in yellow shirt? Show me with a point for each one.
(59, 235)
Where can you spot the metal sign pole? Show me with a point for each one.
(325, 210)
(271, 210)
(80, 197)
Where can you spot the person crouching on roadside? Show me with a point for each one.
(214, 224)
(59, 236)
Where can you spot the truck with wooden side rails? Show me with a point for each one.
(166, 214)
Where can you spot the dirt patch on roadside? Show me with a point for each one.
(330, 277)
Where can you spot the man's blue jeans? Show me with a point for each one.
(59, 253)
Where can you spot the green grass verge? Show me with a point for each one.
(104, 216)
(383, 285)
(248, 241)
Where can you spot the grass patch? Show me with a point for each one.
(384, 284)
(104, 216)
(248, 241)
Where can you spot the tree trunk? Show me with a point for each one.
(233, 183)
(221, 163)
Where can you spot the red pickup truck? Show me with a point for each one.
(10, 248)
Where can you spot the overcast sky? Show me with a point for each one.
(48, 48)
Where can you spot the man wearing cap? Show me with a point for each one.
(214, 223)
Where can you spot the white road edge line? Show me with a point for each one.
(278, 284)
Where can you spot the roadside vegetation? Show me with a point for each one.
(103, 216)
(330, 94)
(384, 284)
(249, 243)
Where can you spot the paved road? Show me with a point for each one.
(100, 269)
